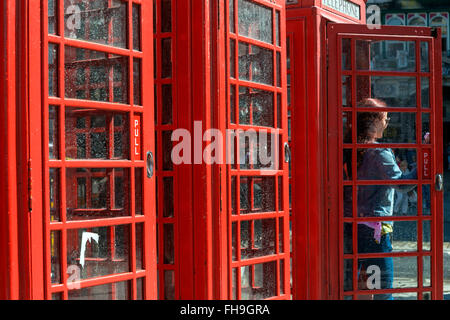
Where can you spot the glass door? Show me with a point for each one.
(385, 162)
(98, 134)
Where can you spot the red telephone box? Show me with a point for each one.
(335, 61)
(96, 207)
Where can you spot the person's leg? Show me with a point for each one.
(386, 266)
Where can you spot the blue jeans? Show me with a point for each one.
(367, 244)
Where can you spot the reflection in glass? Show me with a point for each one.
(257, 194)
(347, 164)
(96, 66)
(261, 103)
(255, 64)
(347, 127)
(99, 21)
(426, 271)
(94, 193)
(137, 74)
(424, 59)
(53, 68)
(395, 91)
(136, 27)
(169, 285)
(425, 92)
(404, 237)
(255, 21)
(386, 55)
(347, 91)
(231, 16)
(232, 58)
(110, 291)
(258, 281)
(257, 238)
(89, 136)
(346, 54)
(109, 255)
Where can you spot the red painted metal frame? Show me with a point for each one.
(335, 33)
(306, 25)
(224, 174)
(9, 267)
(39, 286)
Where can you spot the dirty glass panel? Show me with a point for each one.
(426, 235)
(54, 179)
(166, 114)
(53, 132)
(96, 80)
(167, 150)
(257, 194)
(168, 243)
(110, 291)
(424, 57)
(255, 64)
(394, 91)
(404, 236)
(426, 271)
(140, 288)
(169, 285)
(348, 201)
(94, 134)
(259, 281)
(234, 241)
(136, 27)
(233, 195)
(232, 58)
(55, 252)
(348, 275)
(348, 238)
(53, 70)
(231, 12)
(137, 75)
(138, 188)
(346, 54)
(261, 104)
(257, 238)
(99, 251)
(347, 163)
(232, 104)
(140, 246)
(400, 127)
(166, 15)
(166, 58)
(425, 91)
(347, 91)
(400, 200)
(255, 21)
(52, 16)
(168, 209)
(95, 193)
(426, 200)
(426, 137)
(99, 21)
(386, 55)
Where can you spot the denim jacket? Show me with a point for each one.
(378, 200)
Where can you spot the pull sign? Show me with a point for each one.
(137, 148)
(426, 160)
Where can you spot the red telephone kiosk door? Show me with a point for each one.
(98, 143)
(386, 232)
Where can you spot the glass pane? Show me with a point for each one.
(231, 13)
(99, 251)
(425, 91)
(386, 200)
(278, 27)
(347, 127)
(386, 55)
(347, 91)
(55, 251)
(52, 16)
(53, 70)
(257, 238)
(169, 285)
(255, 64)
(140, 246)
(96, 82)
(136, 27)
(394, 91)
(232, 58)
(424, 57)
(233, 104)
(426, 265)
(54, 177)
(348, 202)
(167, 150)
(166, 56)
(426, 235)
(140, 288)
(278, 69)
(426, 138)
(260, 102)
(110, 291)
(348, 275)
(89, 136)
(99, 21)
(348, 238)
(426, 199)
(166, 114)
(53, 132)
(233, 195)
(393, 127)
(138, 188)
(346, 54)
(404, 237)
(259, 281)
(234, 241)
(168, 243)
(168, 208)
(97, 193)
(257, 194)
(166, 15)
(255, 21)
(137, 74)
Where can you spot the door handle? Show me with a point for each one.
(150, 164)
(439, 182)
(287, 153)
